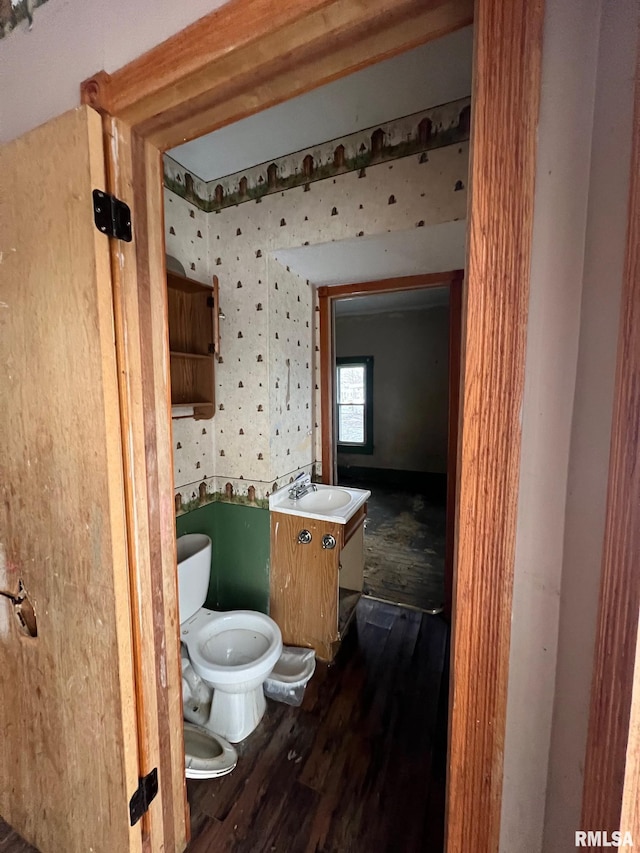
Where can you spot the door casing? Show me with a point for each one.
(611, 793)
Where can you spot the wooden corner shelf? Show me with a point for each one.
(193, 343)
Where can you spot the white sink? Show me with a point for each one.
(327, 503)
(325, 499)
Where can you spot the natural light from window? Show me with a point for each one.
(351, 404)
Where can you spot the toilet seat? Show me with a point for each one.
(206, 754)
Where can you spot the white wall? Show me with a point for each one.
(434, 248)
(41, 70)
(432, 74)
(591, 426)
(579, 226)
(410, 386)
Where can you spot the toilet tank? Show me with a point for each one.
(194, 568)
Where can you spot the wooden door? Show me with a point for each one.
(68, 750)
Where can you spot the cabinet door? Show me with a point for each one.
(304, 582)
(69, 755)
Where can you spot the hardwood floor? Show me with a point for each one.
(404, 544)
(359, 767)
(10, 841)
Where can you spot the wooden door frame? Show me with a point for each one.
(242, 58)
(611, 792)
(327, 297)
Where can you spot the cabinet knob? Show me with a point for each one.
(304, 537)
(328, 541)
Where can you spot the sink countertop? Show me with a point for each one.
(281, 502)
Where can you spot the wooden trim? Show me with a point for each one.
(137, 536)
(630, 816)
(353, 524)
(612, 768)
(455, 356)
(505, 98)
(142, 349)
(256, 54)
(387, 285)
(240, 59)
(216, 316)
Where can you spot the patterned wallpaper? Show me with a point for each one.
(187, 237)
(265, 429)
(420, 132)
(15, 14)
(290, 372)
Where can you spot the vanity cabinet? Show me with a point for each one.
(316, 578)
(193, 344)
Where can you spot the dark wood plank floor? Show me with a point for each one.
(11, 842)
(359, 767)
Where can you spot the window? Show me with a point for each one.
(354, 404)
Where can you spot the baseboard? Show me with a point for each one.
(425, 482)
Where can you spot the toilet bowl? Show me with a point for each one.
(233, 652)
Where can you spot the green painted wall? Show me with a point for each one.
(240, 535)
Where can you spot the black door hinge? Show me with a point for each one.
(212, 348)
(210, 302)
(139, 802)
(112, 216)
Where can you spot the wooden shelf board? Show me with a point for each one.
(176, 354)
(187, 285)
(201, 411)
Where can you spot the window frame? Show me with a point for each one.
(367, 362)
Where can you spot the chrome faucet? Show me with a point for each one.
(301, 486)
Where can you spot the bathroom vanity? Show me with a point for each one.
(317, 563)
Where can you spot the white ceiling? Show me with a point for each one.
(435, 248)
(429, 75)
(397, 302)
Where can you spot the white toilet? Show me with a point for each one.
(233, 652)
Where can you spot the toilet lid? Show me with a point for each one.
(206, 755)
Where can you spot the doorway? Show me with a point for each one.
(258, 438)
(158, 115)
(412, 477)
(390, 416)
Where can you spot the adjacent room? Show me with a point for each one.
(392, 399)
